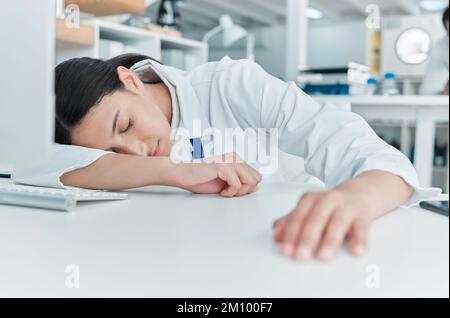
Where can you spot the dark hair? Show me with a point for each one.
(80, 84)
(129, 59)
(445, 17)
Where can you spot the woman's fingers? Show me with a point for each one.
(293, 224)
(313, 229)
(241, 179)
(359, 232)
(248, 180)
(278, 228)
(257, 176)
(244, 190)
(319, 225)
(231, 178)
(335, 234)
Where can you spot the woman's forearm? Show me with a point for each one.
(120, 172)
(378, 191)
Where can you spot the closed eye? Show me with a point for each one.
(130, 125)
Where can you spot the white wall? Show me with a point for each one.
(335, 44)
(269, 53)
(329, 45)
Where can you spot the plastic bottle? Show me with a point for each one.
(372, 85)
(389, 86)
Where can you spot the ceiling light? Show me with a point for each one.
(433, 5)
(315, 14)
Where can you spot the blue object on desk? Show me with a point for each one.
(332, 89)
(197, 151)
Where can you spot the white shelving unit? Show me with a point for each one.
(419, 120)
(162, 47)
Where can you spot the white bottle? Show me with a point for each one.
(389, 86)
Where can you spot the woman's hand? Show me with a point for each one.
(228, 175)
(320, 223)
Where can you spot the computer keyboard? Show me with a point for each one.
(51, 198)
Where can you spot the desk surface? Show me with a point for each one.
(168, 243)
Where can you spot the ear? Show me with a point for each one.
(130, 80)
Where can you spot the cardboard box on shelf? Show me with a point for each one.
(82, 35)
(167, 31)
(109, 7)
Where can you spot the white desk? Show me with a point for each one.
(174, 244)
(423, 111)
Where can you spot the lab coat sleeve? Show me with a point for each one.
(336, 144)
(63, 159)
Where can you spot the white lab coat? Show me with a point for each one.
(437, 72)
(336, 144)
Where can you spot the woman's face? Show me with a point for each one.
(128, 121)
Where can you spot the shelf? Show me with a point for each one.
(109, 7)
(386, 123)
(399, 123)
(84, 35)
(440, 169)
(389, 101)
(124, 33)
(154, 44)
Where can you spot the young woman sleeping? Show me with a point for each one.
(115, 122)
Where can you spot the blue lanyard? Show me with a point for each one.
(197, 152)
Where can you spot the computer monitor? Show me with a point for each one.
(27, 32)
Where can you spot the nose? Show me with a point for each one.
(137, 148)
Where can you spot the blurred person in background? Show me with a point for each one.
(436, 79)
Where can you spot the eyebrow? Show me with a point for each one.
(115, 122)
